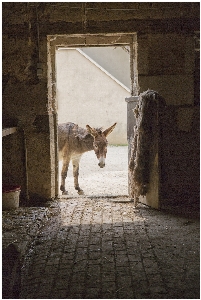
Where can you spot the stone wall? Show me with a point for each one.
(14, 172)
(180, 163)
(165, 34)
(166, 65)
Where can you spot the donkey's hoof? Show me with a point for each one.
(80, 192)
(65, 193)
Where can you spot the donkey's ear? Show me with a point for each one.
(92, 131)
(106, 132)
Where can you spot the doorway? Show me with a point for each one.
(86, 44)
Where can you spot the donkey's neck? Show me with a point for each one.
(87, 143)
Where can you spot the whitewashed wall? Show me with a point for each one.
(86, 95)
(113, 59)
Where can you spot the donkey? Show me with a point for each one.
(73, 141)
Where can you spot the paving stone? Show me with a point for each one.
(99, 249)
(108, 276)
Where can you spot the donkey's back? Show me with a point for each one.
(70, 139)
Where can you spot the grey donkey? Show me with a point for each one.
(73, 141)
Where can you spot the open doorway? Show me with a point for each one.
(92, 84)
(81, 42)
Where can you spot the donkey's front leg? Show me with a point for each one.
(64, 175)
(76, 162)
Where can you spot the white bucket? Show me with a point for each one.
(10, 198)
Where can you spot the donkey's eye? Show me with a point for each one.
(96, 146)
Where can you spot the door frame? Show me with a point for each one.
(75, 41)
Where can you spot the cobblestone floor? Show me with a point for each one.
(102, 248)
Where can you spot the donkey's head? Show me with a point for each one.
(100, 142)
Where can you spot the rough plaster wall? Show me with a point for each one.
(26, 94)
(86, 95)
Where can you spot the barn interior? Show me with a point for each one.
(166, 59)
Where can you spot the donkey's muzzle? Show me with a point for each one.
(101, 165)
(101, 162)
